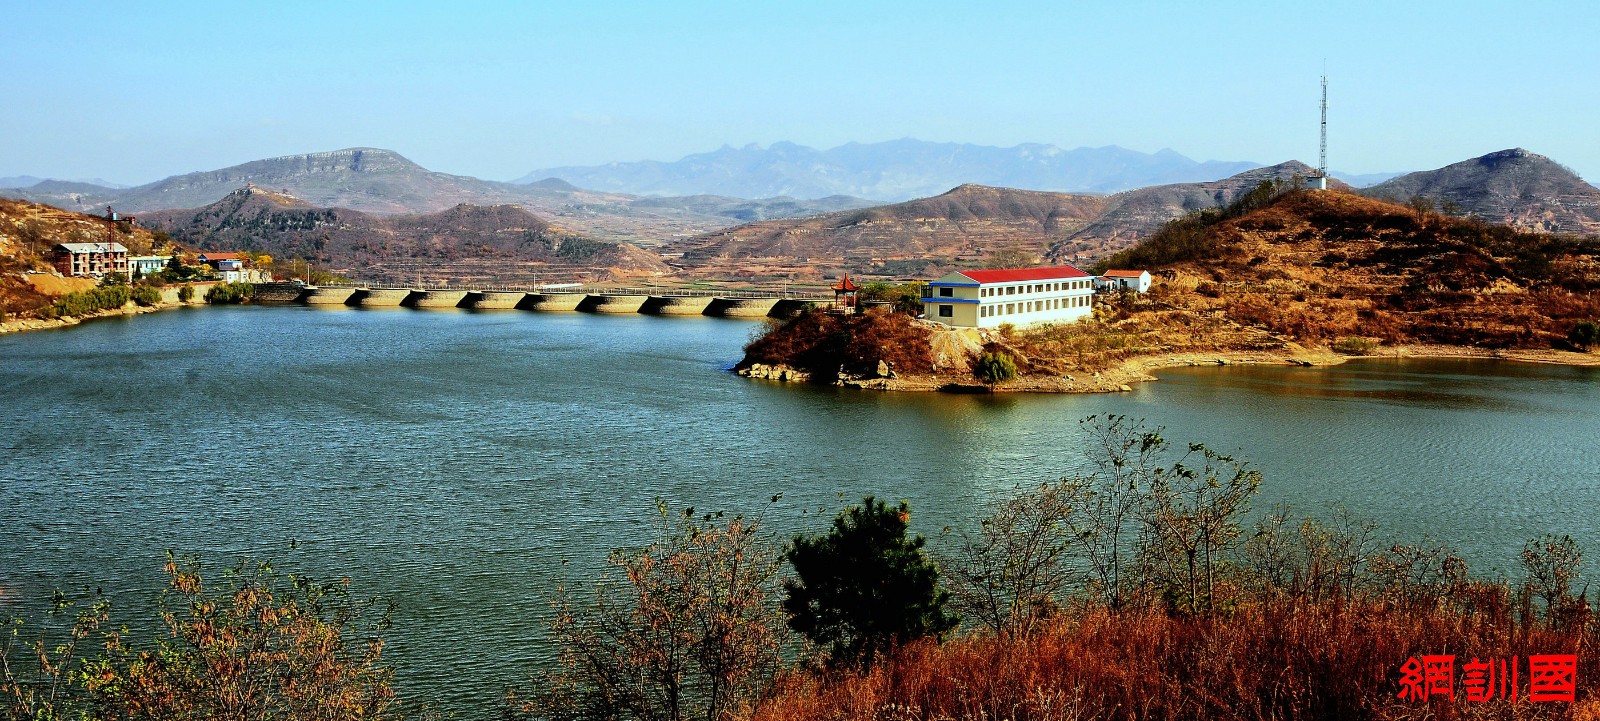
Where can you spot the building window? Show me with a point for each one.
(945, 292)
(946, 311)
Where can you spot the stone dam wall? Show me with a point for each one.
(722, 306)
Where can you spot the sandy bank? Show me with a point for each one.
(27, 324)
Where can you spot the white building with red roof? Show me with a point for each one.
(1137, 281)
(1022, 296)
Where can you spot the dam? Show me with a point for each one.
(729, 303)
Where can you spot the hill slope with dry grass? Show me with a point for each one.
(27, 232)
(967, 225)
(1316, 266)
(1515, 187)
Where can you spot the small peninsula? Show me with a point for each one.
(1283, 275)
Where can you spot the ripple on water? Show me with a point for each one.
(464, 464)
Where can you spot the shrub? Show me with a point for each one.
(995, 368)
(146, 296)
(683, 630)
(1585, 335)
(186, 294)
(1354, 345)
(865, 587)
(105, 297)
(230, 293)
(822, 343)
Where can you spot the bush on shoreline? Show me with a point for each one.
(823, 344)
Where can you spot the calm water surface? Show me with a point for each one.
(464, 463)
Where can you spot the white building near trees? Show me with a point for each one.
(1137, 281)
(1023, 296)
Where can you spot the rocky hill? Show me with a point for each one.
(483, 237)
(1135, 214)
(970, 224)
(1513, 186)
(373, 180)
(892, 171)
(1321, 266)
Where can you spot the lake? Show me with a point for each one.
(465, 463)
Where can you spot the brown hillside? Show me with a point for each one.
(966, 225)
(502, 241)
(1515, 187)
(1133, 215)
(1318, 266)
(28, 230)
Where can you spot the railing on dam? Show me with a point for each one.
(660, 292)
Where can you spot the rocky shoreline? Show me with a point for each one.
(1120, 378)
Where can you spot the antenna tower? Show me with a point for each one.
(1322, 160)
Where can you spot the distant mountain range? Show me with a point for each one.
(29, 181)
(1513, 186)
(893, 170)
(373, 180)
(772, 236)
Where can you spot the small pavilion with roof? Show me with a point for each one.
(844, 292)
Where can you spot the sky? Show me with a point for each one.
(134, 92)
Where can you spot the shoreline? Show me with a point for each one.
(35, 324)
(1138, 369)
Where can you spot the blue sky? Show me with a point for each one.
(133, 94)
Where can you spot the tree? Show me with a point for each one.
(865, 586)
(994, 368)
(47, 691)
(1193, 512)
(1011, 575)
(1552, 565)
(255, 646)
(1013, 257)
(1585, 335)
(685, 632)
(1124, 453)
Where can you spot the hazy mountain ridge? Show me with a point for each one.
(895, 170)
(1514, 186)
(373, 180)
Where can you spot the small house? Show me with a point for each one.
(1022, 296)
(1137, 281)
(142, 265)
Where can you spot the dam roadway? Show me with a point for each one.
(732, 303)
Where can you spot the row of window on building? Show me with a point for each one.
(1034, 306)
(1035, 288)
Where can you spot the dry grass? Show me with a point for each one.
(1330, 660)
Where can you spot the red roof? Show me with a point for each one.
(1017, 274)
(1124, 273)
(844, 284)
